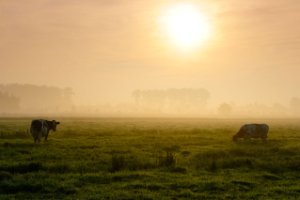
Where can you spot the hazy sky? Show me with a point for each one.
(105, 49)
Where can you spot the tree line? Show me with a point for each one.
(32, 98)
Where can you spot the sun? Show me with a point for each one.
(186, 26)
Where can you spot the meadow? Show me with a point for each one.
(149, 159)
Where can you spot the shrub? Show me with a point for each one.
(117, 163)
(59, 168)
(213, 166)
(166, 160)
(185, 153)
(180, 170)
(23, 168)
(5, 175)
(23, 186)
(66, 189)
(233, 163)
(167, 157)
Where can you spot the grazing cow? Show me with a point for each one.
(252, 131)
(41, 128)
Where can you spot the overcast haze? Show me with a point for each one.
(106, 49)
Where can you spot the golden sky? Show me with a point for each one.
(105, 49)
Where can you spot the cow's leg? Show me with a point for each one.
(46, 136)
(36, 139)
(39, 137)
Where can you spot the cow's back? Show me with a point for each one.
(263, 129)
(36, 125)
(255, 130)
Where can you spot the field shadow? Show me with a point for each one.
(15, 135)
(259, 142)
(19, 145)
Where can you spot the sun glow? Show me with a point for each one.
(186, 27)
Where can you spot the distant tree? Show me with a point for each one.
(225, 109)
(34, 98)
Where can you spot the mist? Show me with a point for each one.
(111, 59)
(25, 100)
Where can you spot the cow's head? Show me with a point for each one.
(235, 138)
(54, 124)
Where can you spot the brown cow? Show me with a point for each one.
(40, 128)
(252, 131)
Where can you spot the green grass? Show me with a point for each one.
(149, 159)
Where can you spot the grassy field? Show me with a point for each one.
(149, 159)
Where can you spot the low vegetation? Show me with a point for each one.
(149, 159)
